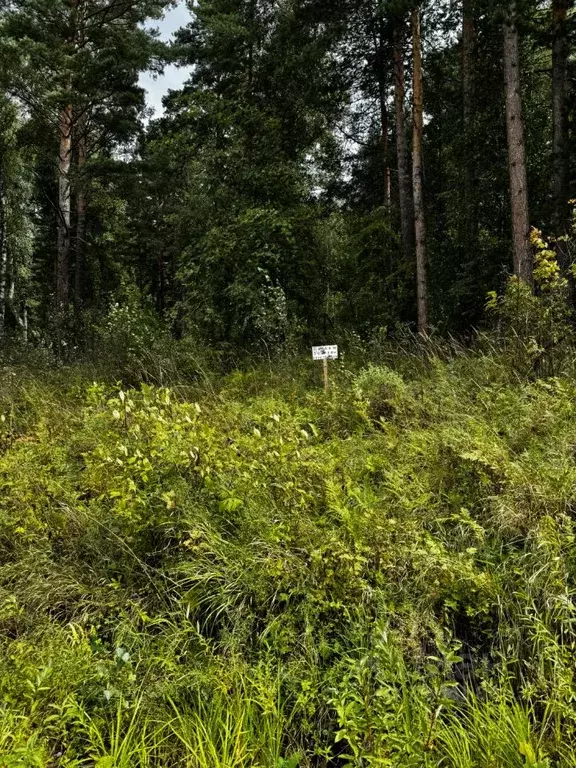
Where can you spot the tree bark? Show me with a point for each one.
(21, 320)
(406, 203)
(8, 270)
(469, 41)
(560, 142)
(380, 65)
(418, 176)
(3, 256)
(64, 185)
(384, 134)
(79, 267)
(64, 211)
(522, 251)
(81, 141)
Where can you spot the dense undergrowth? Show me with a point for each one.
(254, 573)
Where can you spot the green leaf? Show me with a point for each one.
(105, 762)
(230, 505)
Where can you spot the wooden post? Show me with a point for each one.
(325, 353)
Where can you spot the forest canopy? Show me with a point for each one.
(327, 168)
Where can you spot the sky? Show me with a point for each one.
(173, 77)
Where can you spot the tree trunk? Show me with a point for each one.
(8, 270)
(3, 256)
(64, 186)
(418, 176)
(249, 125)
(21, 320)
(384, 133)
(64, 211)
(81, 140)
(560, 145)
(469, 40)
(79, 270)
(522, 250)
(380, 60)
(403, 158)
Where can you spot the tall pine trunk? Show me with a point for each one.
(380, 59)
(406, 204)
(384, 138)
(418, 176)
(81, 141)
(560, 144)
(469, 41)
(522, 251)
(64, 211)
(64, 184)
(3, 255)
(80, 268)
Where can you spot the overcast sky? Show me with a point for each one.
(173, 77)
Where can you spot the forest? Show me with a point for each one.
(210, 556)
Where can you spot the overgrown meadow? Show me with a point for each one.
(247, 572)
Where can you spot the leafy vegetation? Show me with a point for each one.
(271, 198)
(246, 571)
(207, 559)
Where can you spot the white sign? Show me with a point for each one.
(328, 352)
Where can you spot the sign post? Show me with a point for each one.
(325, 353)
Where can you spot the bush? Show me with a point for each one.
(536, 328)
(269, 575)
(382, 391)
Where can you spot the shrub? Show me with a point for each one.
(271, 575)
(382, 391)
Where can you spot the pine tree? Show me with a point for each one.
(75, 66)
(469, 44)
(406, 203)
(560, 141)
(418, 175)
(253, 110)
(521, 247)
(16, 223)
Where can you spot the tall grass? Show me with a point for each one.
(262, 574)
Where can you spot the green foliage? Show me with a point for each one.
(536, 327)
(263, 205)
(270, 575)
(382, 390)
(17, 229)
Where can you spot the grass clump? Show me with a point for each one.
(265, 575)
